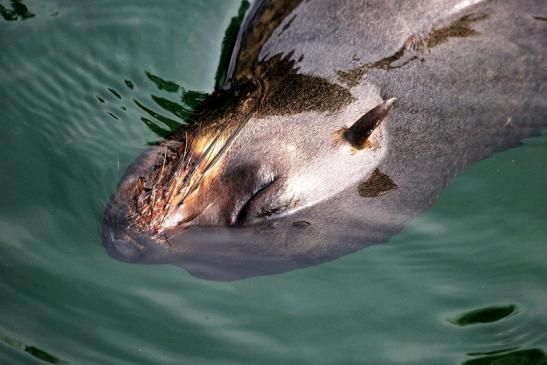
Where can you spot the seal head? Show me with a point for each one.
(234, 195)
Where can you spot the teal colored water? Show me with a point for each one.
(85, 86)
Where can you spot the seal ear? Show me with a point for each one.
(357, 135)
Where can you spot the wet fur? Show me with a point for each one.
(459, 75)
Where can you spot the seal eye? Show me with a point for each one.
(301, 224)
(243, 213)
(357, 135)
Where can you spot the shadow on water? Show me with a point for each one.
(179, 108)
(34, 351)
(485, 315)
(18, 11)
(228, 44)
(509, 357)
(182, 108)
(191, 99)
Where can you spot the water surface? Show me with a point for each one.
(85, 86)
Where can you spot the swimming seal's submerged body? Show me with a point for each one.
(306, 156)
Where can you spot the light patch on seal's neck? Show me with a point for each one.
(336, 171)
(338, 166)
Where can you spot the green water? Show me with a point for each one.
(86, 85)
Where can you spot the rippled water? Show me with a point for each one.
(85, 86)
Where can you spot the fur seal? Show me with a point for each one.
(338, 122)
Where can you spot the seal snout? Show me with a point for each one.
(231, 199)
(115, 236)
(121, 247)
(120, 236)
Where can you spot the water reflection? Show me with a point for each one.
(179, 109)
(182, 108)
(228, 44)
(519, 357)
(18, 11)
(34, 351)
(507, 356)
(162, 84)
(485, 315)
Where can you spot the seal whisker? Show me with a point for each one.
(228, 142)
(193, 166)
(182, 166)
(194, 169)
(160, 175)
(184, 155)
(158, 179)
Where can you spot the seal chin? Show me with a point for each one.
(122, 239)
(122, 248)
(116, 238)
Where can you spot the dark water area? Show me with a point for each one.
(86, 86)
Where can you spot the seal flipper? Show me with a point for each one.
(357, 135)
